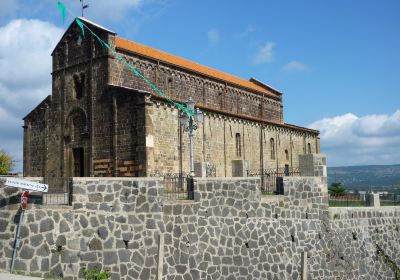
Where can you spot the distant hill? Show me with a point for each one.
(364, 177)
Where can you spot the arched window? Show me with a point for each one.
(287, 154)
(169, 86)
(238, 145)
(272, 146)
(76, 125)
(79, 85)
(309, 148)
(221, 100)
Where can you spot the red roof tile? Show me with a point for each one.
(127, 45)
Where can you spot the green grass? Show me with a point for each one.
(350, 203)
(390, 203)
(359, 203)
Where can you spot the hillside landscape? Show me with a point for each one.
(377, 177)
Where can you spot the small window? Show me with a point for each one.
(221, 100)
(309, 148)
(169, 86)
(287, 154)
(238, 145)
(272, 146)
(79, 85)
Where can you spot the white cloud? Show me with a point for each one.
(25, 51)
(213, 36)
(265, 54)
(352, 140)
(25, 80)
(295, 66)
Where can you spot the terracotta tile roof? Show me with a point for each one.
(125, 44)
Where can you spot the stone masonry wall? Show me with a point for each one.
(229, 231)
(179, 84)
(112, 225)
(355, 234)
(215, 142)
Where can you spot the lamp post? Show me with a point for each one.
(190, 123)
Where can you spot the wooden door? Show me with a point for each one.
(78, 162)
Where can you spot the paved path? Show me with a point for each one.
(6, 276)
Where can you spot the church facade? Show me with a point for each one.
(101, 120)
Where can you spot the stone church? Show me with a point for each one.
(101, 120)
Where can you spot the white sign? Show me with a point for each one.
(26, 185)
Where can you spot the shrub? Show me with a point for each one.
(96, 275)
(6, 163)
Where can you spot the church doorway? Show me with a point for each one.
(78, 168)
(76, 137)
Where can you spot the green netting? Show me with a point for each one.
(134, 70)
(61, 8)
(80, 25)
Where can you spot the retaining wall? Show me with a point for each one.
(228, 232)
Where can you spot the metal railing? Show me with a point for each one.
(389, 199)
(178, 186)
(347, 200)
(60, 191)
(271, 179)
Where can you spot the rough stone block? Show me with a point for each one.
(240, 168)
(3, 225)
(26, 252)
(313, 165)
(110, 257)
(373, 200)
(36, 240)
(95, 245)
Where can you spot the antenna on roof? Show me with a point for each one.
(84, 6)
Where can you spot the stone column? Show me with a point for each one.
(26, 148)
(91, 98)
(373, 200)
(313, 165)
(114, 134)
(200, 169)
(240, 168)
(149, 136)
(46, 141)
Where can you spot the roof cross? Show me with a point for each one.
(84, 6)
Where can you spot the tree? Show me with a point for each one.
(337, 189)
(6, 162)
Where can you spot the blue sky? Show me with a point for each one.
(337, 62)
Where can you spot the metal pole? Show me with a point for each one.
(181, 181)
(17, 240)
(191, 174)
